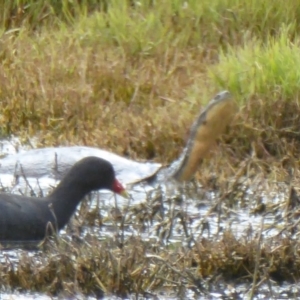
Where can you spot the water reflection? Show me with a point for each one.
(192, 213)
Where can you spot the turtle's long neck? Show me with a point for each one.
(186, 165)
(209, 125)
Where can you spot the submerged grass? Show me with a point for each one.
(143, 268)
(80, 262)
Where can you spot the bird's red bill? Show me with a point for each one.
(119, 189)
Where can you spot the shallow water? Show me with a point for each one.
(188, 200)
(222, 292)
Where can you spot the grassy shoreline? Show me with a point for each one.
(130, 78)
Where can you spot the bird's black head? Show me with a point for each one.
(94, 173)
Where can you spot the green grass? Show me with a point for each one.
(263, 69)
(265, 78)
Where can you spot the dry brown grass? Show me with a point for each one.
(98, 99)
(129, 265)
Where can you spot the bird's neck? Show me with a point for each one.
(64, 200)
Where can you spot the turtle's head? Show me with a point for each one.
(224, 95)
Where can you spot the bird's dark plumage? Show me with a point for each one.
(26, 218)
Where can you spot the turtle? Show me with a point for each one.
(54, 163)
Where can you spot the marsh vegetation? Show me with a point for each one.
(129, 76)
